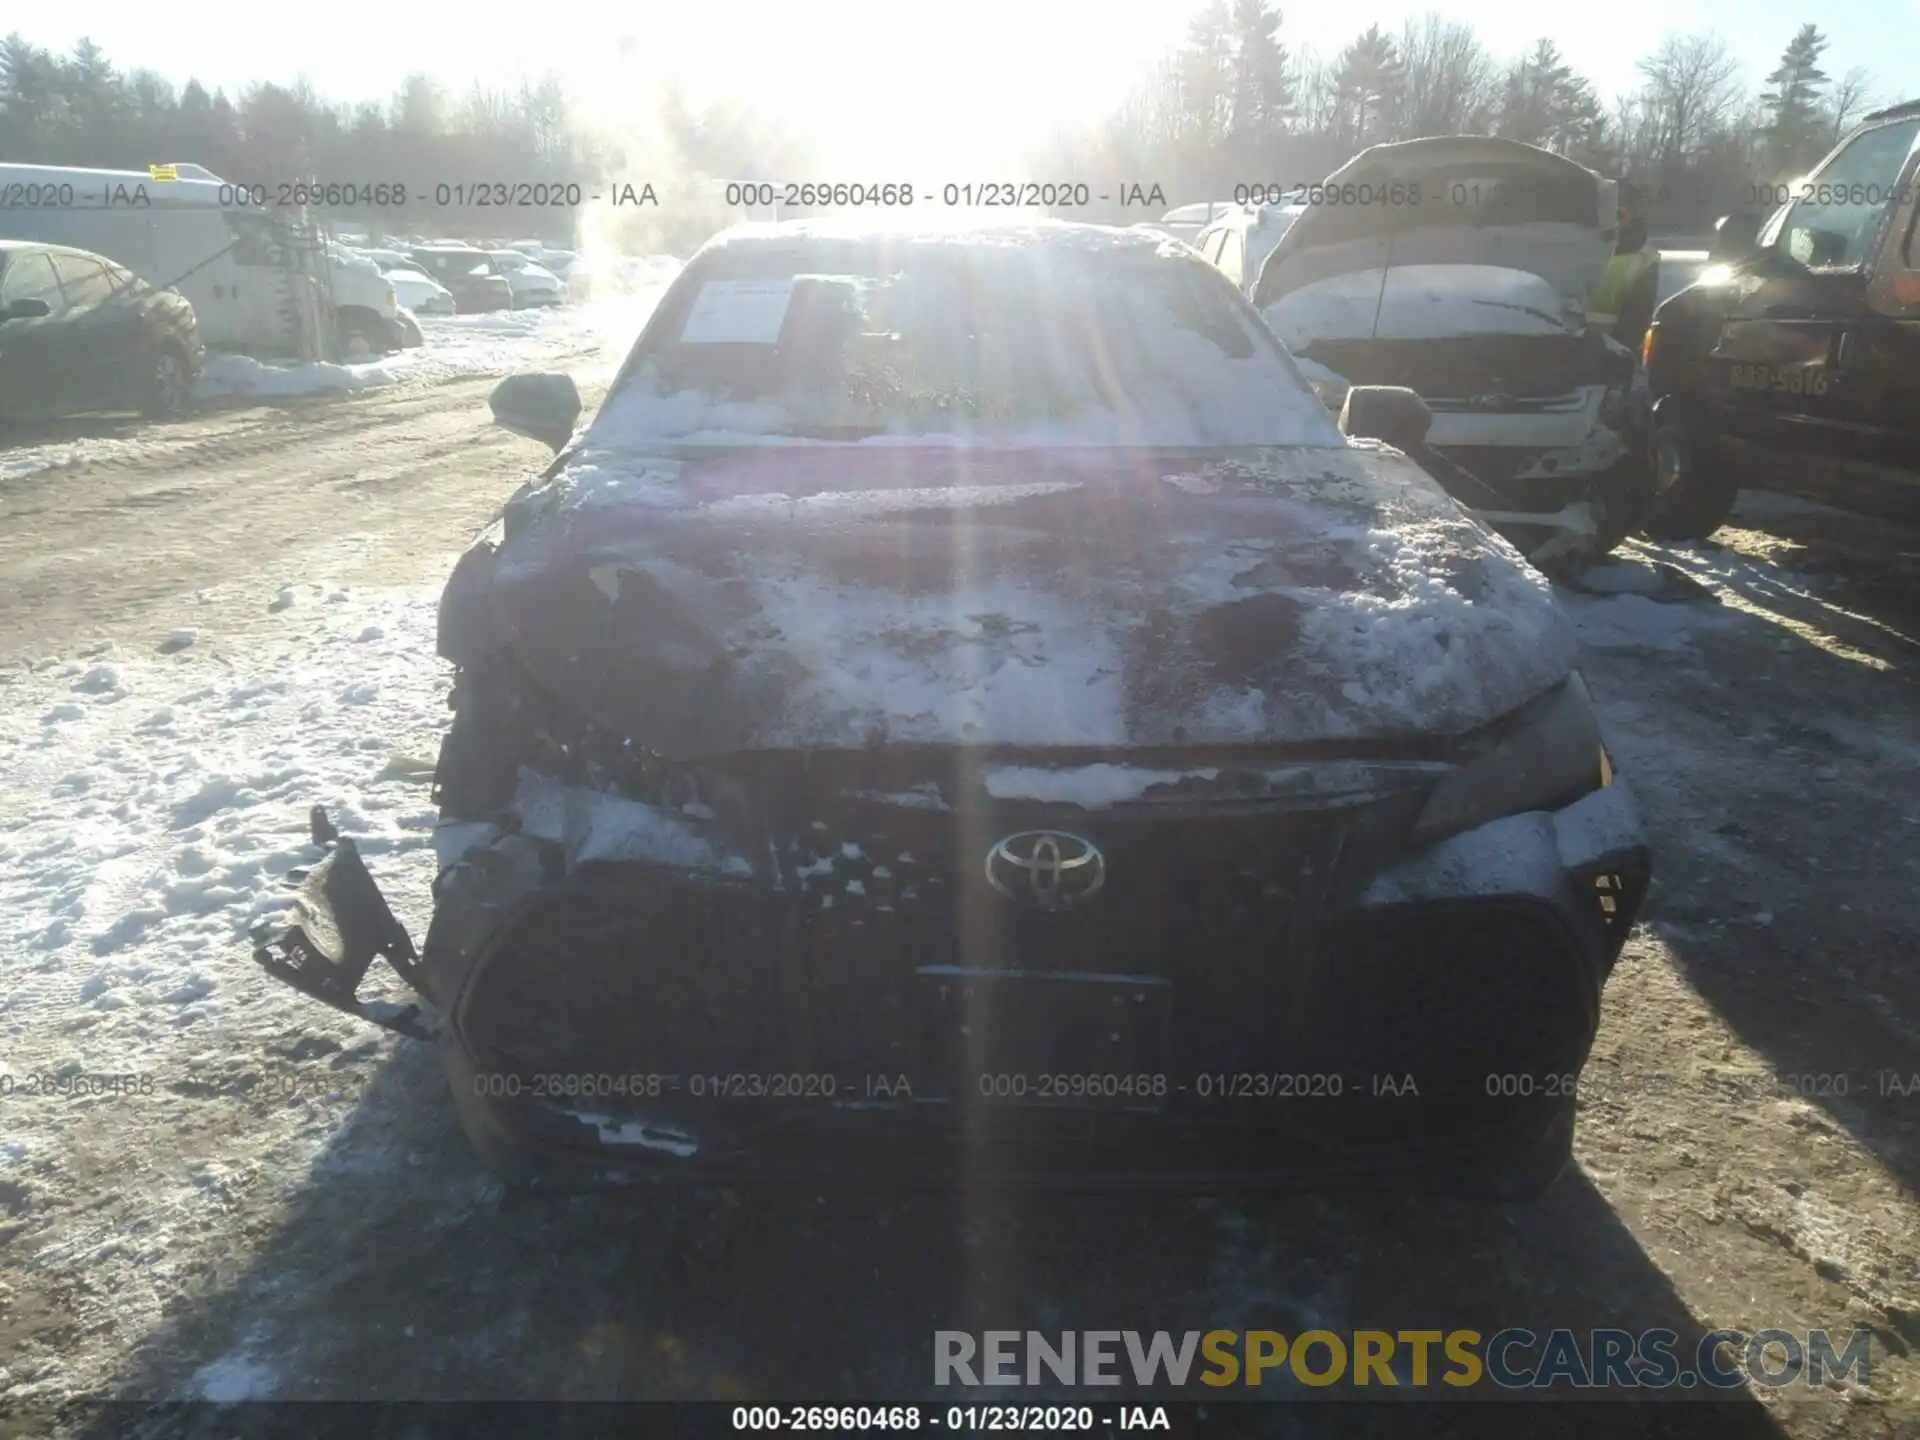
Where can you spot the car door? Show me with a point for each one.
(1880, 359)
(31, 350)
(1233, 257)
(103, 342)
(1774, 377)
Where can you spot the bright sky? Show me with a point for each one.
(891, 87)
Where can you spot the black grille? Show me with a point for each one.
(637, 969)
(626, 970)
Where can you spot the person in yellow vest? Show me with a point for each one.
(1623, 301)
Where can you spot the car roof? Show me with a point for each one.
(7, 247)
(995, 231)
(1906, 109)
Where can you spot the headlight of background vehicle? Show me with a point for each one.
(1546, 755)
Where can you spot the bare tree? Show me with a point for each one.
(1851, 97)
(1314, 91)
(1692, 85)
(1448, 83)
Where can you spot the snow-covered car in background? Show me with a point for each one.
(1239, 242)
(572, 268)
(1460, 268)
(961, 705)
(1187, 221)
(365, 305)
(420, 292)
(476, 282)
(391, 260)
(532, 283)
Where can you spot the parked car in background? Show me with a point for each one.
(80, 333)
(470, 274)
(364, 305)
(984, 633)
(391, 260)
(532, 283)
(572, 268)
(1462, 272)
(1239, 242)
(1187, 221)
(255, 275)
(420, 292)
(1794, 362)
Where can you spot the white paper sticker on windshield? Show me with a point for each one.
(738, 312)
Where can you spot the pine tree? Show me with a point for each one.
(1367, 88)
(1206, 74)
(32, 102)
(1262, 85)
(1793, 101)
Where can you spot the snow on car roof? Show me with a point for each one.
(988, 227)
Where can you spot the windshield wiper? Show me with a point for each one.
(1525, 310)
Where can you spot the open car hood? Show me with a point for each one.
(793, 597)
(1423, 302)
(1483, 202)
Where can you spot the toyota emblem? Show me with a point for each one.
(1047, 869)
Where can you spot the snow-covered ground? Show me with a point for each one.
(155, 801)
(489, 344)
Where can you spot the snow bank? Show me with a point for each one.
(498, 343)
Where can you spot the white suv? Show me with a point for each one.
(1238, 243)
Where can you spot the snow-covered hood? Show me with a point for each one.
(780, 598)
(1423, 302)
(413, 288)
(533, 273)
(1482, 202)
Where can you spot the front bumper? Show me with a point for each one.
(608, 1019)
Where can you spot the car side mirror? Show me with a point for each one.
(540, 407)
(24, 309)
(1735, 238)
(1391, 413)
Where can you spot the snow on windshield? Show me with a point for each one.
(1001, 345)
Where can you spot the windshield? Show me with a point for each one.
(998, 344)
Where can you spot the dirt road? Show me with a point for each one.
(301, 1218)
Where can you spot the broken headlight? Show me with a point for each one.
(1544, 756)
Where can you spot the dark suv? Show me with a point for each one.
(1795, 360)
(476, 282)
(79, 333)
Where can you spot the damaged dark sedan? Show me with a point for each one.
(965, 712)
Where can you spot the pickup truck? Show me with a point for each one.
(1794, 361)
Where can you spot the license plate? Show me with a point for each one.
(1027, 1038)
(1778, 379)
